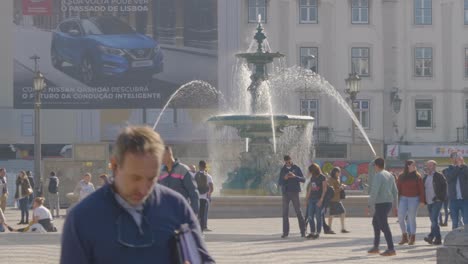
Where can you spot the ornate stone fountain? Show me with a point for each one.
(259, 167)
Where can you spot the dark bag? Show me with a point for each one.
(329, 194)
(53, 185)
(202, 182)
(342, 194)
(185, 247)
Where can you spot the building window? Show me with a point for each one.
(256, 8)
(360, 11)
(465, 7)
(423, 12)
(310, 107)
(423, 113)
(361, 110)
(423, 62)
(27, 125)
(308, 11)
(360, 61)
(306, 59)
(466, 62)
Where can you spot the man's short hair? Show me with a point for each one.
(2, 170)
(52, 173)
(379, 162)
(138, 140)
(286, 157)
(433, 162)
(202, 164)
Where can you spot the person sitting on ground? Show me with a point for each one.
(42, 219)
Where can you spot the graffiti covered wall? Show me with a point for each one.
(354, 173)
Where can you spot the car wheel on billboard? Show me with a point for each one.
(55, 59)
(87, 71)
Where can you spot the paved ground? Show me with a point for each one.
(248, 241)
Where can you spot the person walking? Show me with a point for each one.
(382, 193)
(137, 217)
(289, 180)
(457, 181)
(436, 193)
(3, 189)
(84, 187)
(411, 190)
(23, 190)
(176, 176)
(205, 187)
(336, 207)
(53, 190)
(316, 191)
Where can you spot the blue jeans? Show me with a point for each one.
(458, 208)
(446, 212)
(408, 206)
(315, 212)
(434, 212)
(2, 229)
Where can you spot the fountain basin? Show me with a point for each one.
(260, 58)
(255, 126)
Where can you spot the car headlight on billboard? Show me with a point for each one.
(157, 49)
(111, 51)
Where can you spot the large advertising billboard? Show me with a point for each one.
(98, 54)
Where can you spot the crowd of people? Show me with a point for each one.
(131, 200)
(406, 192)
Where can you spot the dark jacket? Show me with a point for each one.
(180, 180)
(292, 184)
(102, 238)
(440, 186)
(452, 174)
(24, 185)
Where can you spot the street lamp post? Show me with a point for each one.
(39, 85)
(353, 86)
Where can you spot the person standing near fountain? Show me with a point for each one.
(382, 193)
(336, 206)
(412, 196)
(176, 176)
(436, 193)
(205, 187)
(316, 191)
(289, 179)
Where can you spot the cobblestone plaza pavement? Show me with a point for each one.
(249, 241)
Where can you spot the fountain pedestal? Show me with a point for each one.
(455, 249)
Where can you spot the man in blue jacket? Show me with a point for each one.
(176, 176)
(132, 220)
(289, 179)
(457, 181)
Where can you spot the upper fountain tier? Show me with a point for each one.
(260, 56)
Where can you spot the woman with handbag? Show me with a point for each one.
(336, 207)
(23, 190)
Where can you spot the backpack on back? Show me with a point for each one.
(202, 182)
(53, 185)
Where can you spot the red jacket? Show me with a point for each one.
(411, 186)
